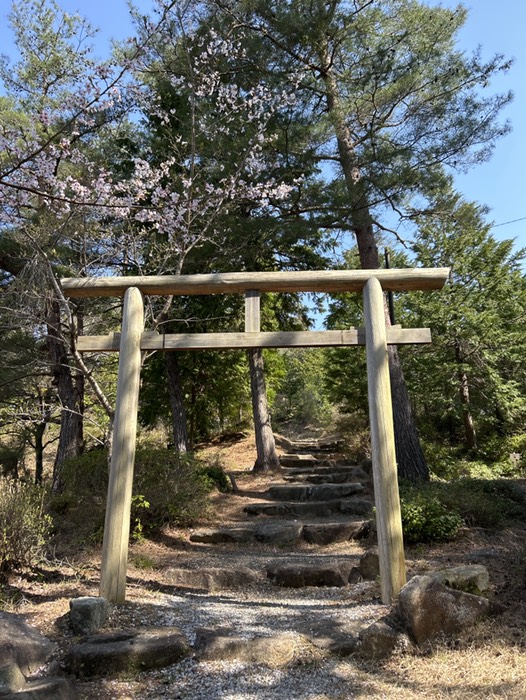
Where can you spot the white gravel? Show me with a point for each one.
(235, 681)
(256, 611)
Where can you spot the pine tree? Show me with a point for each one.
(388, 102)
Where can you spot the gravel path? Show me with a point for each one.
(260, 610)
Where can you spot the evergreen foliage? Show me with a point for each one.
(471, 383)
(242, 136)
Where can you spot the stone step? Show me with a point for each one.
(330, 477)
(319, 469)
(303, 446)
(314, 492)
(301, 460)
(295, 575)
(328, 533)
(276, 533)
(285, 533)
(314, 509)
(335, 572)
(309, 458)
(339, 477)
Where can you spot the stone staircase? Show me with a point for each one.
(287, 582)
(319, 500)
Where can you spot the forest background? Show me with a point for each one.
(229, 136)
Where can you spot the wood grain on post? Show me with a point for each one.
(252, 311)
(236, 282)
(117, 522)
(386, 496)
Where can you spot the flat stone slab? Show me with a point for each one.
(279, 534)
(327, 533)
(316, 492)
(224, 535)
(380, 640)
(212, 579)
(312, 509)
(342, 639)
(470, 579)
(130, 650)
(301, 575)
(220, 645)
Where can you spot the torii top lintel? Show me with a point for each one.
(238, 282)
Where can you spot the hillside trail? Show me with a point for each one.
(275, 592)
(300, 531)
(294, 550)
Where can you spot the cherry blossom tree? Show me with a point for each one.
(83, 184)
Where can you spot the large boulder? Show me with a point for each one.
(23, 651)
(22, 644)
(430, 609)
(11, 677)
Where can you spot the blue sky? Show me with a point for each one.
(500, 183)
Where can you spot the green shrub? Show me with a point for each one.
(78, 512)
(215, 477)
(444, 460)
(24, 527)
(168, 489)
(175, 486)
(487, 503)
(496, 457)
(426, 519)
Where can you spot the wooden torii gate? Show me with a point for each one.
(375, 336)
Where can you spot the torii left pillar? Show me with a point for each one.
(117, 522)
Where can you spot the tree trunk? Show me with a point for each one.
(410, 458)
(70, 394)
(267, 458)
(175, 391)
(470, 435)
(40, 430)
(39, 452)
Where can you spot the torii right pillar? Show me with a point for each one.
(386, 496)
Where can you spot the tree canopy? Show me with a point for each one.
(241, 135)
